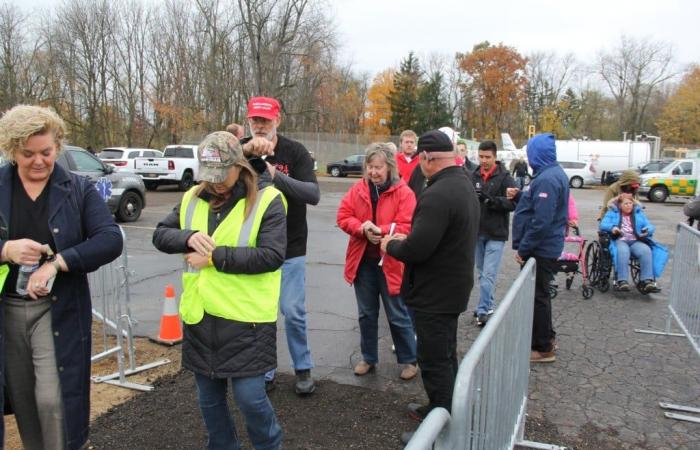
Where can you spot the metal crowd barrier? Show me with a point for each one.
(489, 403)
(684, 303)
(109, 288)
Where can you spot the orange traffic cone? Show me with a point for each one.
(170, 328)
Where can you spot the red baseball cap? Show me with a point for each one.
(266, 107)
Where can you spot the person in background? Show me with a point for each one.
(491, 181)
(520, 172)
(631, 234)
(539, 224)
(628, 184)
(236, 130)
(406, 159)
(232, 232)
(439, 272)
(57, 224)
(464, 155)
(374, 207)
(292, 170)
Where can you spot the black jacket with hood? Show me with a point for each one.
(495, 207)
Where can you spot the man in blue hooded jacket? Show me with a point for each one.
(539, 225)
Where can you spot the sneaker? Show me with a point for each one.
(542, 357)
(305, 385)
(555, 345)
(270, 385)
(649, 286)
(409, 372)
(407, 436)
(393, 348)
(481, 320)
(622, 286)
(417, 411)
(363, 368)
(488, 313)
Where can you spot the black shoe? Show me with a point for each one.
(481, 320)
(622, 286)
(305, 384)
(406, 436)
(649, 287)
(417, 411)
(270, 385)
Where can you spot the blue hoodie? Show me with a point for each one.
(540, 218)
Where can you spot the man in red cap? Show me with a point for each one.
(292, 171)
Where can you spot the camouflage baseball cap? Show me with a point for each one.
(216, 154)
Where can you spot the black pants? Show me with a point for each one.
(542, 330)
(437, 356)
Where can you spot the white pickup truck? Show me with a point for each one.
(179, 165)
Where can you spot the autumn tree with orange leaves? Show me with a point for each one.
(496, 84)
(377, 115)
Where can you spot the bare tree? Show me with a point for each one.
(632, 71)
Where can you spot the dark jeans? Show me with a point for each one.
(437, 356)
(542, 329)
(263, 428)
(370, 286)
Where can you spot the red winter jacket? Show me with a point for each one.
(406, 168)
(396, 205)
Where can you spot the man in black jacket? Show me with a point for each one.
(439, 272)
(490, 181)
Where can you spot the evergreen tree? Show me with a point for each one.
(404, 96)
(432, 109)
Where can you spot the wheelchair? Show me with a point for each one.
(599, 265)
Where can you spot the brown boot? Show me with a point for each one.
(542, 357)
(363, 368)
(409, 372)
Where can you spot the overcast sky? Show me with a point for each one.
(377, 34)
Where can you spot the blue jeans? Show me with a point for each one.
(292, 305)
(488, 261)
(263, 428)
(520, 182)
(639, 250)
(370, 285)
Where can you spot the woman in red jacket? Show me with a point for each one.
(379, 204)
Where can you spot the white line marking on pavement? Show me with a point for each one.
(140, 228)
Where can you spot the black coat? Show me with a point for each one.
(439, 251)
(223, 348)
(86, 236)
(495, 207)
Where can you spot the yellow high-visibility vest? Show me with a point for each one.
(4, 270)
(252, 298)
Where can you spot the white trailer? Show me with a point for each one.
(606, 155)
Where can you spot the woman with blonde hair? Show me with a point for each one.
(379, 204)
(55, 228)
(232, 232)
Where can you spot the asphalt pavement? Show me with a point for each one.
(607, 379)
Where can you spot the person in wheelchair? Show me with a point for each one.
(631, 235)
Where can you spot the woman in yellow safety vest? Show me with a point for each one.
(231, 229)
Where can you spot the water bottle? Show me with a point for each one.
(23, 278)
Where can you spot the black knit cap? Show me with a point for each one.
(434, 141)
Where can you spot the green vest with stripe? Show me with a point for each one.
(252, 298)
(4, 270)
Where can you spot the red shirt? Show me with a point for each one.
(405, 165)
(486, 174)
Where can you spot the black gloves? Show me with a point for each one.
(485, 198)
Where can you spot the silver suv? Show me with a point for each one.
(124, 192)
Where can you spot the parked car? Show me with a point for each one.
(350, 165)
(655, 165)
(123, 158)
(179, 165)
(580, 173)
(124, 192)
